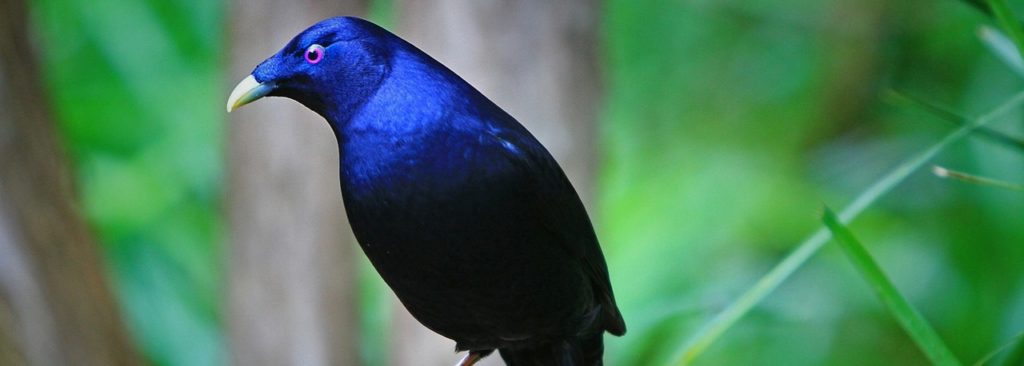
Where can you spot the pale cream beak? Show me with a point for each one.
(248, 91)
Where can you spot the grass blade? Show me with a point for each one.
(944, 113)
(1016, 355)
(980, 5)
(710, 332)
(1015, 340)
(1009, 22)
(909, 318)
(1002, 47)
(953, 174)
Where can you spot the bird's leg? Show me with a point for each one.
(473, 356)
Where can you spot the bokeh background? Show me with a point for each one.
(705, 136)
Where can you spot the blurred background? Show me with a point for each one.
(139, 223)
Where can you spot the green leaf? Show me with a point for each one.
(1002, 47)
(980, 5)
(970, 178)
(1010, 360)
(707, 335)
(909, 318)
(1016, 355)
(944, 113)
(1009, 22)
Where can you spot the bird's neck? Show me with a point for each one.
(418, 94)
(416, 99)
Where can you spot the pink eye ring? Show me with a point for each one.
(315, 54)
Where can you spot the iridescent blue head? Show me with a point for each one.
(331, 68)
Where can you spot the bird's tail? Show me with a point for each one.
(587, 350)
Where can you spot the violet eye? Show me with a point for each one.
(314, 54)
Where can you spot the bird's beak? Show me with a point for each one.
(248, 91)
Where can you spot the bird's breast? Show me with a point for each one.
(445, 219)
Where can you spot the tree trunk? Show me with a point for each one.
(55, 305)
(292, 271)
(536, 59)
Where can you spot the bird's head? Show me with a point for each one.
(335, 64)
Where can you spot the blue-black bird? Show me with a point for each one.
(460, 209)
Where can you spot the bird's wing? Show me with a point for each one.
(561, 212)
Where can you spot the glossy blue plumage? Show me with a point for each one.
(460, 209)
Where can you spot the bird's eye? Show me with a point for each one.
(314, 54)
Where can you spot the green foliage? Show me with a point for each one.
(770, 281)
(975, 179)
(1003, 48)
(1015, 346)
(136, 87)
(1010, 23)
(909, 318)
(728, 122)
(958, 120)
